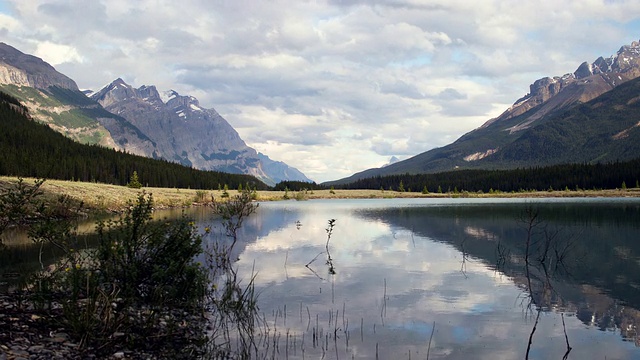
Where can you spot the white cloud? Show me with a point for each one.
(8, 23)
(56, 54)
(405, 76)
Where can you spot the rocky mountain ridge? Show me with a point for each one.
(587, 82)
(54, 99)
(585, 116)
(172, 127)
(187, 133)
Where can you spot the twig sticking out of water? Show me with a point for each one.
(383, 310)
(314, 259)
(332, 269)
(531, 335)
(286, 257)
(332, 223)
(465, 255)
(433, 329)
(566, 339)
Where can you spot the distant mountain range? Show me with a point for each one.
(588, 116)
(140, 121)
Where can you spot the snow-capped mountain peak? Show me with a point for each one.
(185, 132)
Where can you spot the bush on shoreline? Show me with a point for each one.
(141, 288)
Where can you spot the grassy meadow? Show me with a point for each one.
(114, 198)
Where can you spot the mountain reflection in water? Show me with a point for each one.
(404, 265)
(438, 278)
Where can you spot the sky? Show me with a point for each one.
(330, 87)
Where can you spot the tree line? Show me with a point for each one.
(557, 177)
(292, 185)
(31, 149)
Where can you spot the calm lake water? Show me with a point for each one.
(446, 278)
(440, 278)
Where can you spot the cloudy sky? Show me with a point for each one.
(331, 87)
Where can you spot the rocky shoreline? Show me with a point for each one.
(27, 333)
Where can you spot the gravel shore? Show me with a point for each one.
(27, 333)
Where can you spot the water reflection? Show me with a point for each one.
(443, 277)
(403, 265)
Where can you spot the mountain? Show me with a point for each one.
(26, 70)
(189, 134)
(587, 116)
(54, 99)
(279, 171)
(392, 160)
(33, 149)
(139, 121)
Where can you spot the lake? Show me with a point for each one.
(445, 278)
(436, 278)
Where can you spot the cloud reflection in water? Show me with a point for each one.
(396, 283)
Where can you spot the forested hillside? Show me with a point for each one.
(30, 149)
(558, 177)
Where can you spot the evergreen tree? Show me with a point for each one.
(134, 182)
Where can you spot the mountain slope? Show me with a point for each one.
(189, 134)
(26, 70)
(279, 171)
(54, 99)
(32, 149)
(167, 126)
(585, 116)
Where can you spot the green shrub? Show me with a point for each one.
(201, 196)
(141, 286)
(19, 204)
(140, 270)
(301, 196)
(150, 262)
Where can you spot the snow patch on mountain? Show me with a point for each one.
(168, 95)
(480, 155)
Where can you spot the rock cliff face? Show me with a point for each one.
(54, 99)
(187, 133)
(26, 70)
